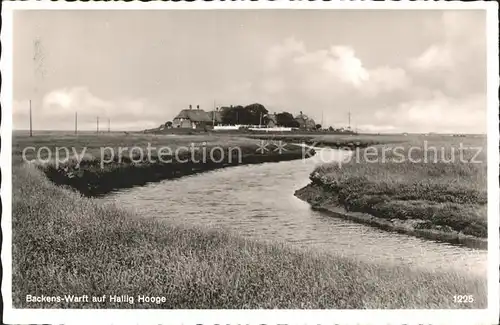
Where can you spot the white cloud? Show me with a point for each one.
(321, 73)
(435, 57)
(339, 61)
(461, 47)
(437, 114)
(57, 111)
(69, 100)
(347, 66)
(438, 90)
(386, 79)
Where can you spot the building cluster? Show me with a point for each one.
(198, 118)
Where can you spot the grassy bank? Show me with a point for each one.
(93, 143)
(114, 161)
(341, 141)
(66, 244)
(441, 190)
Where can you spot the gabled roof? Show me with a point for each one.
(195, 115)
(301, 117)
(305, 121)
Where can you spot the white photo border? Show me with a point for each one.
(192, 317)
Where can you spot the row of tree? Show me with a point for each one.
(256, 114)
(253, 114)
(287, 120)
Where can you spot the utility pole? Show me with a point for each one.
(213, 115)
(349, 119)
(76, 122)
(31, 123)
(109, 125)
(260, 121)
(322, 119)
(98, 125)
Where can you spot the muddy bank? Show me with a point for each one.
(323, 199)
(93, 179)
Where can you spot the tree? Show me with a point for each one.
(248, 115)
(257, 113)
(234, 115)
(318, 126)
(330, 128)
(286, 119)
(168, 124)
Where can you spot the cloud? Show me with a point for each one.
(339, 62)
(386, 80)
(346, 65)
(328, 82)
(442, 88)
(432, 80)
(69, 100)
(436, 57)
(439, 113)
(457, 61)
(278, 53)
(323, 77)
(57, 109)
(462, 38)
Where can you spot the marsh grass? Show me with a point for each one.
(114, 161)
(447, 193)
(328, 140)
(93, 143)
(64, 243)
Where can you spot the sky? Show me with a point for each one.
(393, 70)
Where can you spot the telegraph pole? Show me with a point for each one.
(76, 122)
(98, 125)
(109, 125)
(31, 123)
(213, 115)
(349, 119)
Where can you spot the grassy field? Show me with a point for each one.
(93, 143)
(66, 244)
(441, 187)
(344, 141)
(96, 165)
